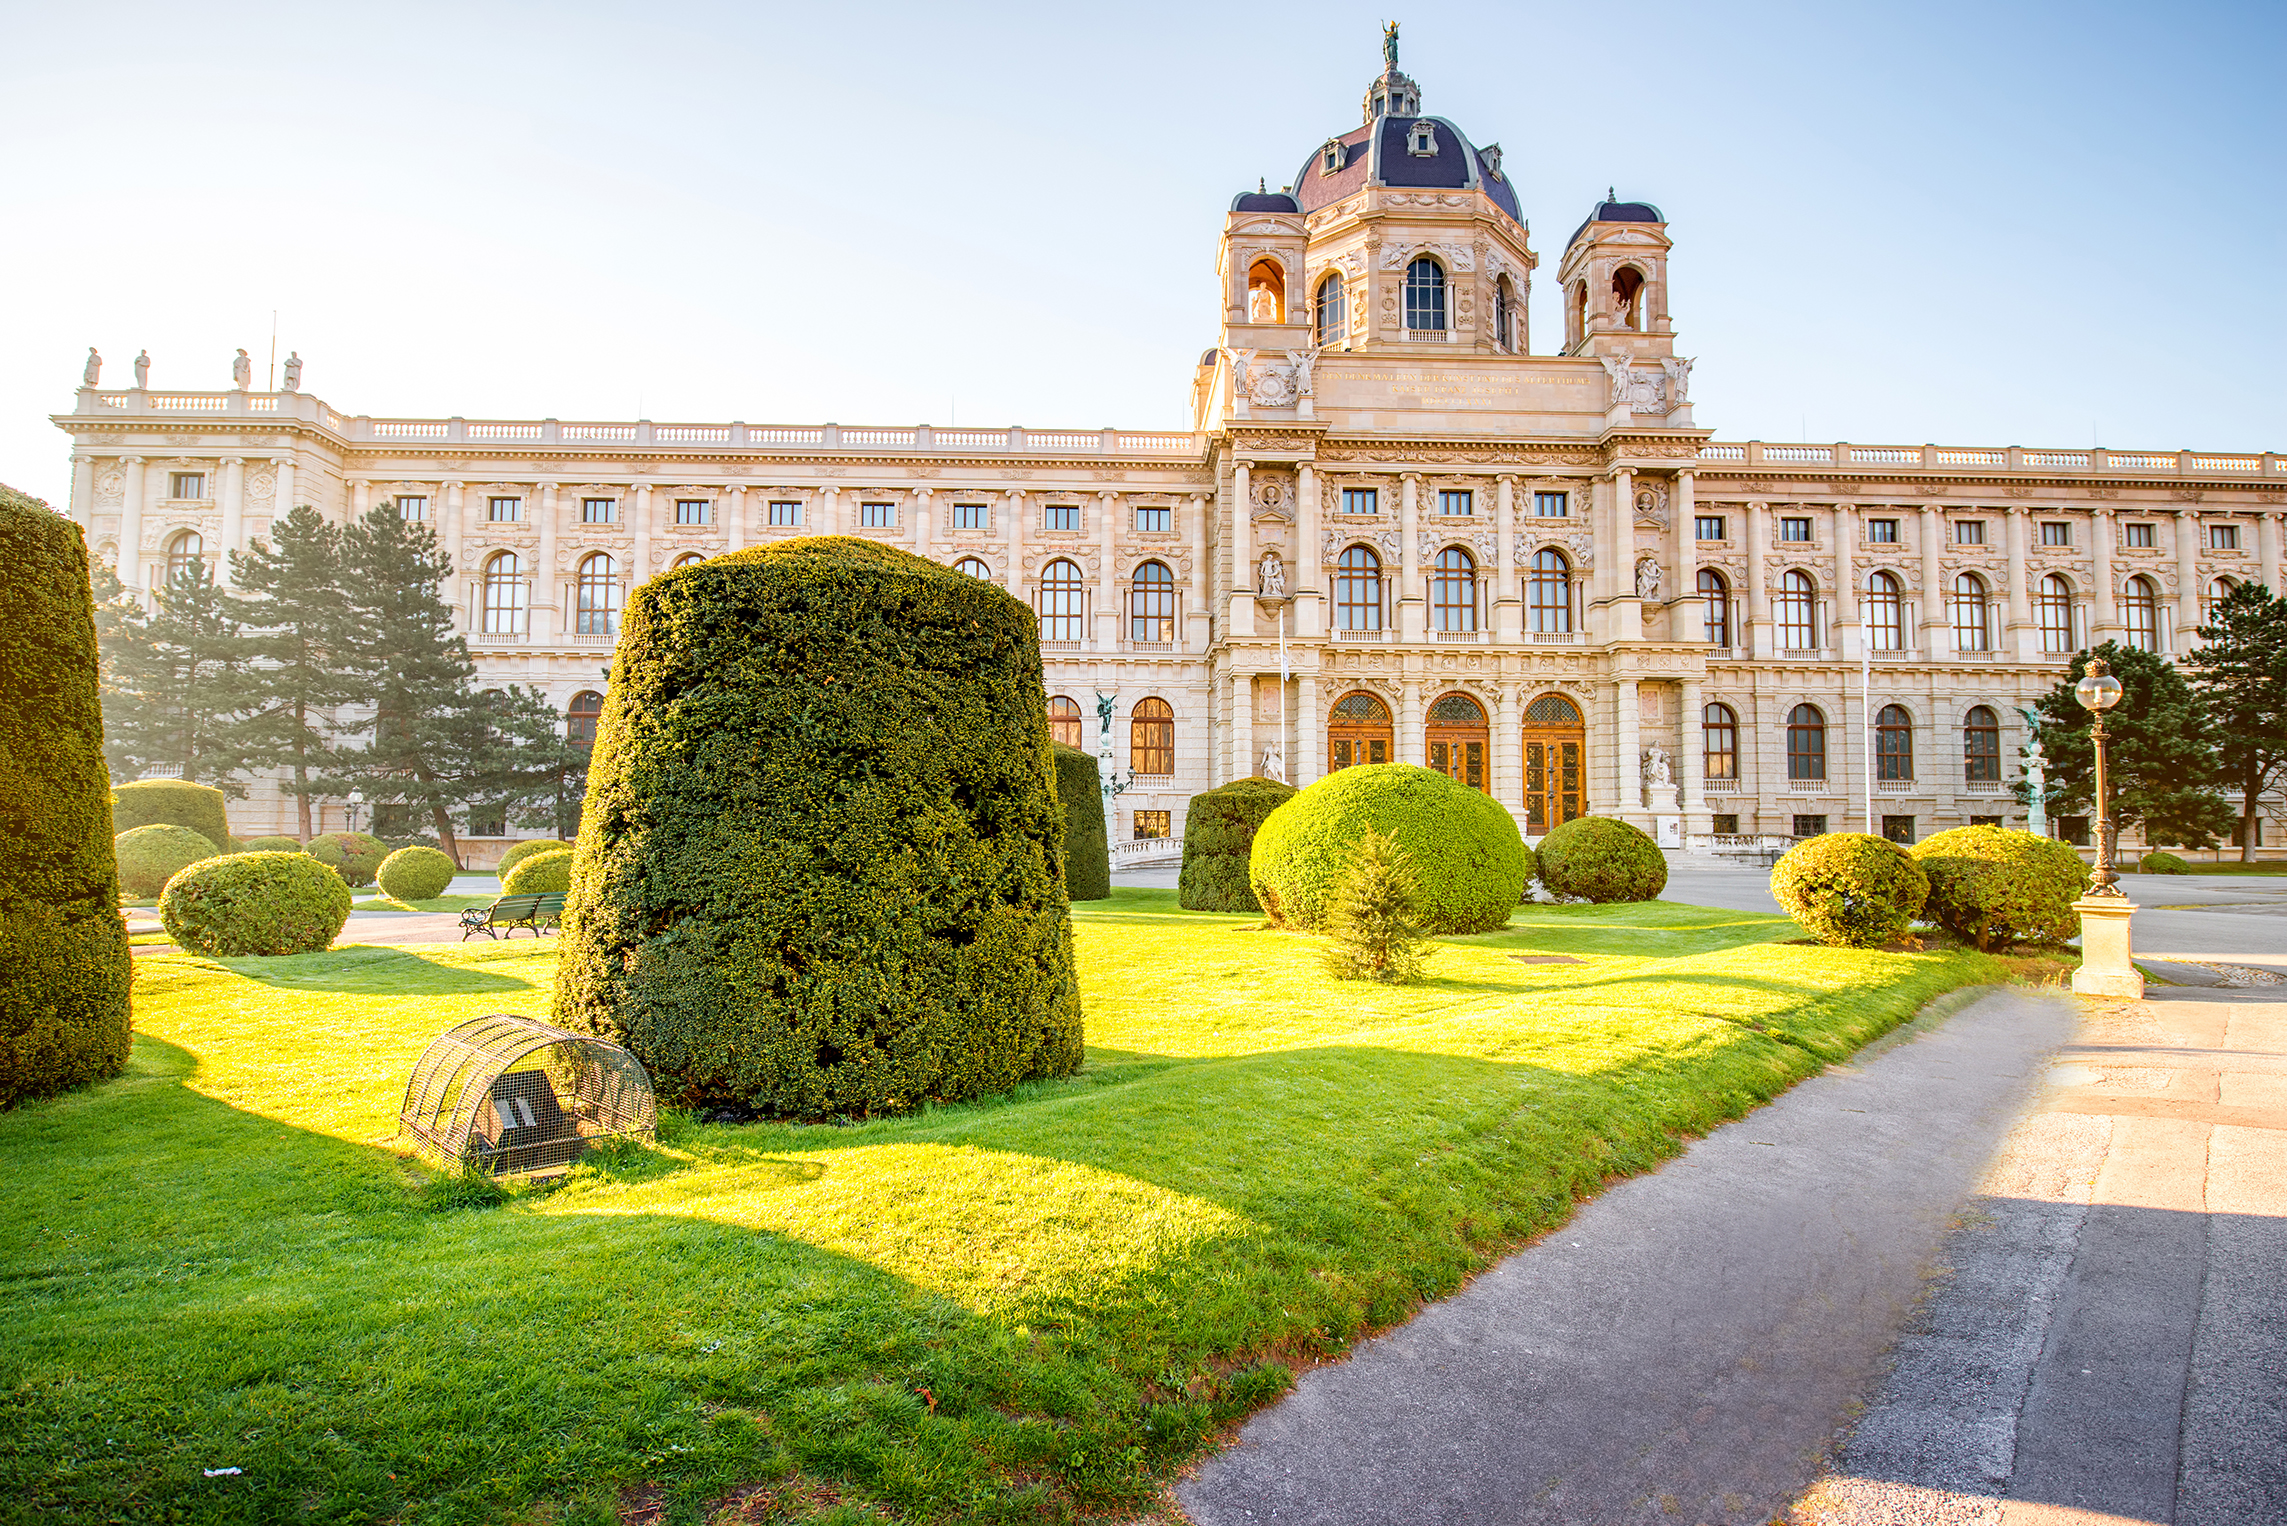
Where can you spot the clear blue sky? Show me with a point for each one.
(1989, 224)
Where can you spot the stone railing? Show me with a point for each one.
(2182, 463)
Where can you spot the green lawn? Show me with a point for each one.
(378, 902)
(1017, 1311)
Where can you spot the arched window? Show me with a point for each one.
(598, 607)
(1151, 604)
(1627, 297)
(1806, 743)
(1980, 746)
(186, 555)
(1972, 627)
(1576, 320)
(689, 559)
(2053, 605)
(505, 596)
(1064, 720)
(1893, 743)
(1719, 739)
(1266, 292)
(2140, 614)
(1357, 731)
(1453, 590)
(974, 568)
(580, 720)
(1332, 313)
(1425, 296)
(1505, 314)
(1885, 613)
(1715, 595)
(1798, 614)
(1548, 592)
(2219, 589)
(1358, 590)
(1151, 737)
(1062, 600)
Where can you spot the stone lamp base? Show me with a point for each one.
(2106, 967)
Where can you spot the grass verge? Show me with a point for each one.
(433, 903)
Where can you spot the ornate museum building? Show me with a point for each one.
(1395, 531)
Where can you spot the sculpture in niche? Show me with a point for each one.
(142, 369)
(1647, 579)
(294, 371)
(1652, 506)
(1656, 771)
(242, 371)
(1262, 305)
(94, 368)
(1273, 765)
(1270, 576)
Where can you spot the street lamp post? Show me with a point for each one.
(2108, 966)
(355, 802)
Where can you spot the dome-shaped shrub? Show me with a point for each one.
(818, 864)
(1468, 859)
(355, 856)
(171, 803)
(1087, 852)
(1849, 889)
(416, 874)
(1601, 859)
(540, 874)
(1219, 829)
(151, 856)
(272, 845)
(518, 852)
(2157, 862)
(1996, 886)
(255, 903)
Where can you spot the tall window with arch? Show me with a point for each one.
(581, 716)
(1885, 613)
(1628, 297)
(2140, 614)
(1063, 599)
(1453, 591)
(1151, 604)
(1358, 590)
(1425, 296)
(505, 596)
(1332, 314)
(1972, 614)
(1719, 741)
(186, 556)
(2219, 589)
(1806, 743)
(1981, 746)
(1064, 720)
(1715, 600)
(1505, 315)
(597, 605)
(1548, 592)
(1151, 737)
(974, 568)
(2053, 608)
(689, 559)
(1893, 743)
(1266, 292)
(1576, 313)
(1798, 614)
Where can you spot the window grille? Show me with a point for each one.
(1980, 747)
(1358, 590)
(186, 556)
(597, 603)
(1719, 739)
(1151, 604)
(1425, 296)
(2223, 537)
(974, 568)
(1972, 623)
(1453, 591)
(581, 716)
(1548, 592)
(1064, 720)
(1062, 596)
(2053, 605)
(1150, 826)
(1885, 613)
(505, 596)
(1715, 595)
(1806, 744)
(1893, 744)
(1151, 737)
(2140, 615)
(1331, 310)
(1798, 614)
(1882, 532)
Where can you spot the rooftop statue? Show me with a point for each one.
(142, 368)
(94, 368)
(1390, 44)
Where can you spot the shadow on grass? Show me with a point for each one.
(379, 968)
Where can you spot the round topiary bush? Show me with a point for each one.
(1601, 859)
(1996, 886)
(417, 874)
(64, 968)
(1849, 889)
(518, 852)
(171, 803)
(1087, 851)
(2157, 862)
(151, 856)
(1219, 829)
(355, 856)
(817, 871)
(255, 903)
(540, 874)
(1467, 855)
(272, 845)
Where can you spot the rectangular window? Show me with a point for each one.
(1456, 502)
(690, 511)
(1154, 516)
(2223, 537)
(488, 821)
(598, 511)
(1151, 825)
(1898, 829)
(969, 516)
(1986, 821)
(1969, 532)
(1707, 527)
(1549, 506)
(1064, 516)
(503, 510)
(1726, 826)
(1794, 528)
(785, 511)
(2073, 829)
(877, 516)
(412, 508)
(1361, 500)
(1881, 532)
(2139, 535)
(1810, 826)
(2056, 532)
(187, 485)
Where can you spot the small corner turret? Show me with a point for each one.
(1615, 280)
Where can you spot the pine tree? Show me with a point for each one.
(1374, 916)
(543, 773)
(176, 681)
(297, 584)
(2241, 675)
(2161, 764)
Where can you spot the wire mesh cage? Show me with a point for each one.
(512, 1096)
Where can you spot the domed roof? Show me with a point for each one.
(1408, 151)
(1264, 201)
(1610, 211)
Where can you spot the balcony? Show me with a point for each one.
(1981, 786)
(1470, 638)
(1432, 336)
(1811, 787)
(1555, 638)
(1895, 787)
(1361, 635)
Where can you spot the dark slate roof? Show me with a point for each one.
(1617, 212)
(1264, 201)
(1316, 189)
(1376, 155)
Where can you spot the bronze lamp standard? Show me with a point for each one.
(2098, 692)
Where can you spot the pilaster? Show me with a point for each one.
(1508, 604)
(1242, 590)
(233, 518)
(132, 474)
(1410, 600)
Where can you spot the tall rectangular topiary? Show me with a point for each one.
(172, 803)
(64, 971)
(1218, 835)
(1087, 850)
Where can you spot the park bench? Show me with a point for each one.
(536, 913)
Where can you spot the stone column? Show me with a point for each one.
(1308, 760)
(1242, 724)
(734, 518)
(1107, 572)
(1305, 579)
(547, 583)
(829, 510)
(1242, 602)
(1410, 748)
(1508, 788)
(2101, 536)
(640, 573)
(1508, 601)
(1012, 535)
(922, 510)
(233, 517)
(456, 511)
(1934, 621)
(1410, 609)
(1691, 756)
(83, 491)
(1628, 754)
(2269, 528)
(2188, 586)
(2022, 641)
(1683, 569)
(131, 473)
(1198, 613)
(282, 492)
(359, 489)
(1758, 596)
(1617, 554)
(1847, 635)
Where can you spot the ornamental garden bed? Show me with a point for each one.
(1034, 1307)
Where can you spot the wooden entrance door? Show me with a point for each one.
(1556, 763)
(1459, 741)
(1357, 731)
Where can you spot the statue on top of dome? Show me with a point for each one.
(1390, 44)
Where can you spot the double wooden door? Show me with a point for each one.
(1459, 743)
(1556, 763)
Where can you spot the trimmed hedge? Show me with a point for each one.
(271, 845)
(148, 857)
(64, 966)
(2157, 862)
(518, 852)
(171, 803)
(540, 874)
(255, 903)
(1219, 829)
(1849, 889)
(820, 867)
(1996, 885)
(416, 874)
(1468, 859)
(1087, 850)
(1601, 859)
(355, 856)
